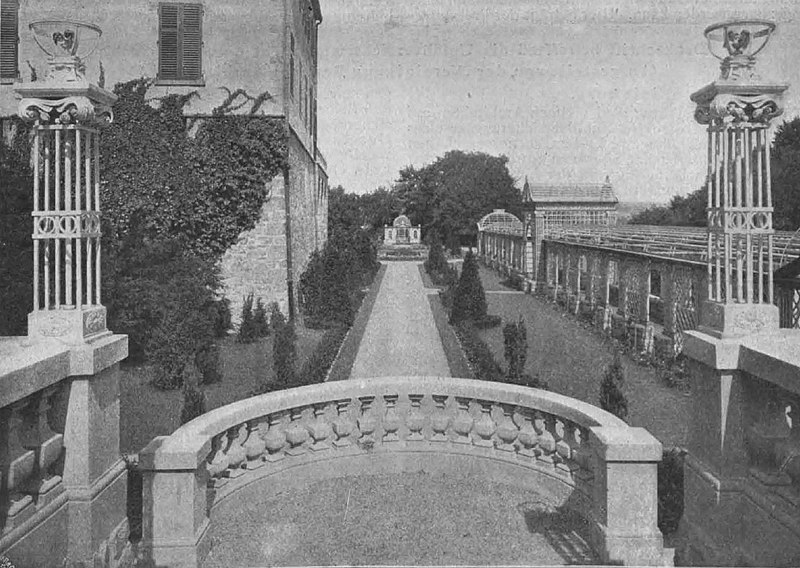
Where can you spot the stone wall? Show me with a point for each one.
(256, 264)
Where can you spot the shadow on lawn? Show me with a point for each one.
(565, 530)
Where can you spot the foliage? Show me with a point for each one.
(334, 275)
(469, 299)
(260, 322)
(612, 399)
(319, 363)
(348, 212)
(284, 356)
(247, 326)
(206, 189)
(786, 176)
(479, 355)
(515, 343)
(16, 246)
(670, 489)
(194, 400)
(163, 298)
(208, 361)
(684, 211)
(454, 192)
(222, 317)
(436, 261)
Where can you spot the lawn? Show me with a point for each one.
(146, 412)
(572, 359)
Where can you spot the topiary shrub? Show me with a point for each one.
(284, 356)
(222, 317)
(436, 263)
(260, 323)
(248, 331)
(469, 299)
(670, 489)
(515, 348)
(479, 355)
(194, 400)
(612, 399)
(319, 363)
(208, 361)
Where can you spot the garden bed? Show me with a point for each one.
(343, 364)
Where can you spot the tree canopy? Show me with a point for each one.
(785, 163)
(450, 195)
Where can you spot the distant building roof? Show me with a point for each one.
(569, 193)
(401, 221)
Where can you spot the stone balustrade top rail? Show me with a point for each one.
(188, 446)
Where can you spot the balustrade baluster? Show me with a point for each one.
(218, 460)
(485, 426)
(440, 420)
(255, 446)
(415, 419)
(19, 467)
(527, 434)
(507, 430)
(547, 443)
(237, 455)
(343, 425)
(48, 445)
(391, 421)
(320, 429)
(462, 424)
(367, 422)
(296, 433)
(275, 439)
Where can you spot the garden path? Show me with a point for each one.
(401, 336)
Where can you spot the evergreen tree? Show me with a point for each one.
(284, 355)
(612, 399)
(515, 340)
(469, 299)
(247, 327)
(194, 399)
(260, 323)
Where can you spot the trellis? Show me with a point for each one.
(684, 306)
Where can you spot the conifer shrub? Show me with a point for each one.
(284, 355)
(480, 357)
(208, 361)
(247, 326)
(436, 263)
(194, 399)
(469, 298)
(612, 399)
(260, 323)
(222, 317)
(670, 489)
(515, 344)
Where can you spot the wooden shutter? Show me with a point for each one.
(168, 35)
(180, 37)
(192, 42)
(9, 39)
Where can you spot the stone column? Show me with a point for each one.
(68, 114)
(737, 306)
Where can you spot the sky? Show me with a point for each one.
(571, 91)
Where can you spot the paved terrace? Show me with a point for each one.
(435, 518)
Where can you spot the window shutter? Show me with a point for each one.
(168, 41)
(9, 23)
(192, 41)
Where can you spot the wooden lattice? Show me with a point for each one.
(684, 306)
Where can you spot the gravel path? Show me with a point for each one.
(401, 337)
(411, 519)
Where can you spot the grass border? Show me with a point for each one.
(456, 358)
(426, 278)
(343, 364)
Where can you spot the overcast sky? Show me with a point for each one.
(570, 91)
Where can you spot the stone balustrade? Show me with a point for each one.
(582, 457)
(743, 469)
(62, 482)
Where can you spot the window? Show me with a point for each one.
(180, 44)
(9, 40)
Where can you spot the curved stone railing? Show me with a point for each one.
(605, 469)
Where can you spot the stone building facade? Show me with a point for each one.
(209, 46)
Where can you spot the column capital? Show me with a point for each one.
(74, 102)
